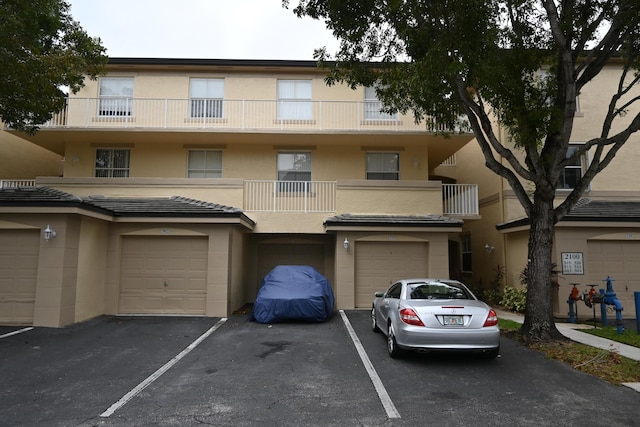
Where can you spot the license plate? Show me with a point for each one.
(453, 321)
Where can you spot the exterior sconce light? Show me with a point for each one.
(345, 244)
(48, 234)
(488, 248)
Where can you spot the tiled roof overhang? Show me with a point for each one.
(587, 210)
(350, 221)
(120, 207)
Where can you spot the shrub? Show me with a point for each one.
(514, 299)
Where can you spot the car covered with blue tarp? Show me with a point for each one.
(293, 292)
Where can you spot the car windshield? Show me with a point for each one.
(437, 290)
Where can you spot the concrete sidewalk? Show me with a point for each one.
(572, 331)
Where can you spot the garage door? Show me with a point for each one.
(271, 255)
(619, 260)
(163, 275)
(379, 264)
(18, 275)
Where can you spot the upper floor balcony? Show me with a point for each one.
(237, 116)
(330, 197)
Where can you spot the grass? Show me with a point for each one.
(610, 332)
(607, 365)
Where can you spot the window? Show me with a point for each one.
(572, 172)
(394, 291)
(373, 107)
(206, 97)
(294, 100)
(384, 166)
(466, 253)
(294, 172)
(112, 163)
(204, 164)
(116, 96)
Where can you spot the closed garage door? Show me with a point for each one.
(619, 260)
(271, 255)
(18, 275)
(164, 275)
(379, 264)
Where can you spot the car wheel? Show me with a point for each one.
(392, 345)
(374, 325)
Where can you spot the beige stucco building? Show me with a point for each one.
(173, 186)
(185, 181)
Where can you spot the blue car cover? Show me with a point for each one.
(293, 292)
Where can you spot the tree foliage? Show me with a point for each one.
(43, 52)
(522, 62)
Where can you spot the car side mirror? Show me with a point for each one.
(379, 294)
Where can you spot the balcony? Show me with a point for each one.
(459, 200)
(234, 115)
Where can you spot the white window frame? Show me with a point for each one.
(294, 171)
(206, 98)
(294, 100)
(211, 167)
(106, 163)
(375, 165)
(583, 161)
(117, 100)
(373, 107)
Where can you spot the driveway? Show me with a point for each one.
(116, 371)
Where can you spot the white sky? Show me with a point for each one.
(213, 29)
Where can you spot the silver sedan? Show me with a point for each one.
(434, 314)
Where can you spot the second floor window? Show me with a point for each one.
(206, 96)
(385, 166)
(112, 163)
(294, 100)
(294, 172)
(573, 172)
(116, 96)
(205, 164)
(373, 107)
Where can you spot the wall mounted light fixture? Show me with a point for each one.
(488, 248)
(48, 234)
(345, 244)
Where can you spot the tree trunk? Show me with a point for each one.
(538, 321)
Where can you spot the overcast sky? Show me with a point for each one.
(219, 29)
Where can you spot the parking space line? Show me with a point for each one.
(151, 378)
(385, 399)
(19, 331)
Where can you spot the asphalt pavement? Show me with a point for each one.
(172, 371)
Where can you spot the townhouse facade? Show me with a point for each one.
(600, 238)
(184, 182)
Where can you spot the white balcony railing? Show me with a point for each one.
(290, 196)
(234, 115)
(17, 183)
(315, 196)
(460, 199)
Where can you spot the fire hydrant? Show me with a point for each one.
(573, 307)
(611, 299)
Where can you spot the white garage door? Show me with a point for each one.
(18, 275)
(271, 255)
(379, 264)
(620, 260)
(163, 275)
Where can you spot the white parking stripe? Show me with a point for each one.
(392, 412)
(151, 378)
(19, 331)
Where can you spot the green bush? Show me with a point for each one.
(514, 299)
